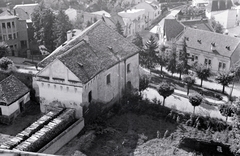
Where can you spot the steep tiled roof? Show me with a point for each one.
(172, 28)
(218, 5)
(199, 24)
(102, 48)
(7, 15)
(11, 89)
(202, 40)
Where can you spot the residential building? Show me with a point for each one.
(152, 10)
(134, 20)
(24, 12)
(217, 51)
(97, 65)
(94, 16)
(13, 97)
(224, 12)
(13, 31)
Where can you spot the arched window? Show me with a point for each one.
(90, 96)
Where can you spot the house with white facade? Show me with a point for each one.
(97, 65)
(13, 97)
(224, 12)
(152, 10)
(216, 51)
(134, 21)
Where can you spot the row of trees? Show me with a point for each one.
(50, 30)
(178, 63)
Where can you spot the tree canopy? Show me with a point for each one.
(224, 78)
(4, 49)
(195, 100)
(189, 80)
(6, 64)
(138, 40)
(165, 89)
(61, 26)
(172, 61)
(227, 110)
(203, 73)
(43, 24)
(119, 28)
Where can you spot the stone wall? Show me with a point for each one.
(62, 139)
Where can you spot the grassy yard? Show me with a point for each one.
(132, 131)
(31, 114)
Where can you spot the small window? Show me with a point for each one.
(42, 84)
(108, 79)
(209, 62)
(192, 57)
(4, 37)
(224, 66)
(75, 90)
(3, 26)
(10, 36)
(14, 36)
(220, 65)
(61, 87)
(48, 85)
(128, 68)
(0, 111)
(13, 24)
(8, 24)
(67, 88)
(54, 86)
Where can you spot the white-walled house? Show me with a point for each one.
(96, 65)
(134, 21)
(13, 97)
(216, 51)
(152, 10)
(224, 12)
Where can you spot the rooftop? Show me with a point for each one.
(211, 42)
(11, 89)
(7, 15)
(199, 24)
(24, 11)
(96, 48)
(102, 12)
(172, 28)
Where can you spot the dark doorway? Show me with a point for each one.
(21, 106)
(90, 96)
(129, 85)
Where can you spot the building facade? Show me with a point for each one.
(13, 31)
(211, 49)
(97, 65)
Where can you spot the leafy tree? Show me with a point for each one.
(195, 100)
(119, 28)
(184, 57)
(3, 49)
(89, 23)
(189, 80)
(180, 68)
(61, 25)
(138, 40)
(78, 24)
(149, 54)
(203, 73)
(144, 82)
(162, 59)
(172, 62)
(224, 79)
(6, 64)
(216, 26)
(227, 110)
(43, 24)
(165, 89)
(95, 19)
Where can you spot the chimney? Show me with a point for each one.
(69, 35)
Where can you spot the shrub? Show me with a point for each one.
(218, 96)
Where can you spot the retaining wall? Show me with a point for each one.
(63, 138)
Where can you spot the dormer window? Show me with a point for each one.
(199, 41)
(187, 38)
(228, 47)
(213, 44)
